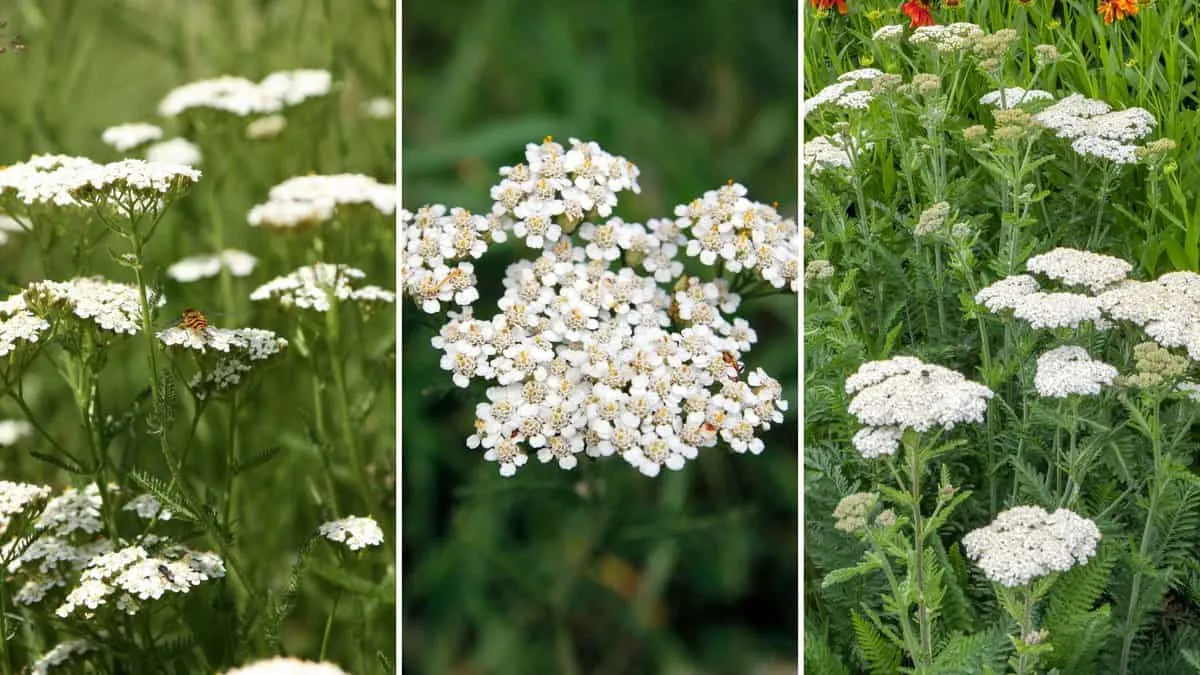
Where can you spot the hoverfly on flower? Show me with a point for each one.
(736, 367)
(191, 319)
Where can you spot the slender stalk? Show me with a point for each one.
(230, 460)
(906, 629)
(4, 658)
(1143, 549)
(337, 364)
(152, 348)
(329, 625)
(925, 656)
(1023, 663)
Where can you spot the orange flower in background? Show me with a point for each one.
(1117, 10)
(919, 13)
(829, 4)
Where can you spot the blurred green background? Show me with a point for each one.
(89, 65)
(690, 572)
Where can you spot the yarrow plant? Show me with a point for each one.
(1022, 232)
(602, 345)
(172, 445)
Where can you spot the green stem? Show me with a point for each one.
(338, 365)
(906, 629)
(329, 625)
(152, 348)
(230, 459)
(4, 658)
(925, 657)
(1023, 663)
(1156, 486)
(200, 405)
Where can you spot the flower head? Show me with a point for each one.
(918, 12)
(853, 511)
(1026, 542)
(128, 136)
(1080, 268)
(110, 306)
(1116, 10)
(356, 532)
(194, 268)
(174, 151)
(905, 393)
(16, 497)
(1068, 370)
(308, 200)
(242, 97)
(316, 286)
(826, 5)
(60, 654)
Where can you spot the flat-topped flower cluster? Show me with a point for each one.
(586, 359)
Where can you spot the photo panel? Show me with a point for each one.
(198, 337)
(1001, 321)
(599, 322)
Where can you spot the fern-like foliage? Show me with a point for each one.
(969, 654)
(819, 657)
(1079, 623)
(878, 653)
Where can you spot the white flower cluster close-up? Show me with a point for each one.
(16, 497)
(111, 306)
(585, 359)
(70, 552)
(851, 91)
(1027, 542)
(19, 326)
(134, 575)
(44, 179)
(828, 152)
(903, 393)
(255, 344)
(723, 227)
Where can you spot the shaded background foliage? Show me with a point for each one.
(86, 66)
(695, 569)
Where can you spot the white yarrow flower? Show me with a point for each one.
(905, 393)
(175, 151)
(1026, 542)
(128, 136)
(282, 665)
(356, 532)
(1068, 370)
(194, 268)
(1080, 268)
